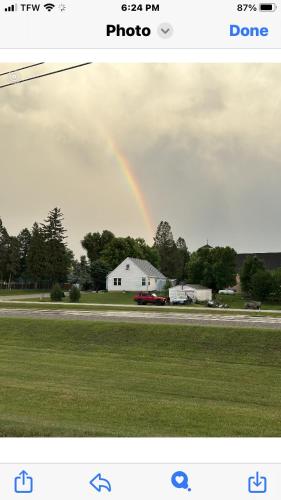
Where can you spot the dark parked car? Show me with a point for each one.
(253, 304)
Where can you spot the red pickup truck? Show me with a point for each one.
(143, 298)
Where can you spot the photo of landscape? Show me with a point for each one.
(140, 250)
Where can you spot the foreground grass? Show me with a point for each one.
(68, 378)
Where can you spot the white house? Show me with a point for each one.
(195, 292)
(135, 275)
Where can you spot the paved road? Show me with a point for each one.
(146, 317)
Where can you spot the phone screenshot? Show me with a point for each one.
(140, 250)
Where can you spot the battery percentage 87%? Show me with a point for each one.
(250, 7)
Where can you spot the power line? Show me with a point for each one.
(21, 69)
(45, 74)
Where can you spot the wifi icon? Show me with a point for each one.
(49, 6)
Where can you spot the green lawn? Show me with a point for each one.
(20, 292)
(86, 297)
(108, 298)
(71, 378)
(234, 301)
(237, 301)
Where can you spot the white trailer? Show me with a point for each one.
(181, 294)
(178, 296)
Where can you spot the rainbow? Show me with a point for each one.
(133, 184)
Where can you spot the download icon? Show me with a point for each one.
(257, 484)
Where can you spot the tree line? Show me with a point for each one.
(40, 255)
(260, 283)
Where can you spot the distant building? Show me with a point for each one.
(206, 247)
(271, 260)
(135, 275)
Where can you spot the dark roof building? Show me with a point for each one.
(271, 260)
(206, 247)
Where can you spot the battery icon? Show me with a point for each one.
(268, 7)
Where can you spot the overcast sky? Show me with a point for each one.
(204, 142)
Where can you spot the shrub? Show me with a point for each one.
(57, 293)
(74, 294)
(276, 285)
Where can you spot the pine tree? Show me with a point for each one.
(164, 235)
(24, 239)
(13, 260)
(58, 255)
(4, 251)
(167, 250)
(183, 257)
(37, 264)
(53, 228)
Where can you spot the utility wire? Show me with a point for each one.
(21, 69)
(44, 74)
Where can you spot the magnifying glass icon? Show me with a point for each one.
(180, 480)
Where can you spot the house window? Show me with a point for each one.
(148, 282)
(143, 281)
(117, 281)
(127, 267)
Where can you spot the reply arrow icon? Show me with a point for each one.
(99, 483)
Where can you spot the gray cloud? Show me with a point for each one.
(203, 141)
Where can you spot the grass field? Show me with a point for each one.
(86, 297)
(68, 378)
(237, 301)
(108, 298)
(20, 292)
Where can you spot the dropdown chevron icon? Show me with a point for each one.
(165, 30)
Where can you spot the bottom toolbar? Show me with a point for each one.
(165, 481)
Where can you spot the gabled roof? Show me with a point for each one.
(197, 287)
(186, 286)
(205, 247)
(147, 268)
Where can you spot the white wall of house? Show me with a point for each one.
(128, 277)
